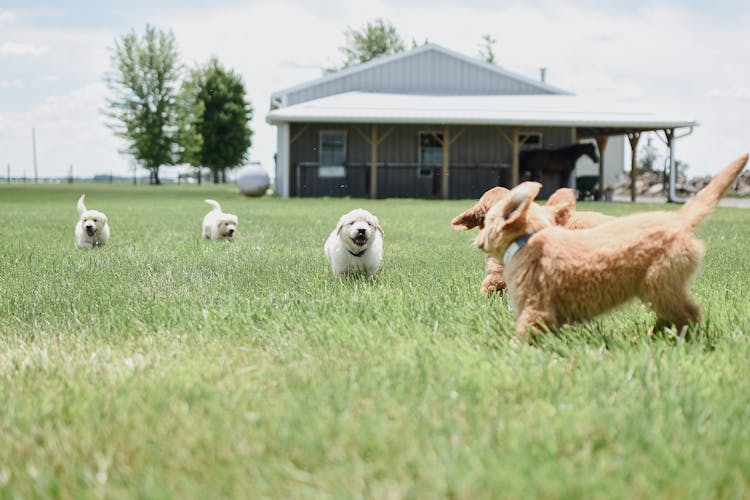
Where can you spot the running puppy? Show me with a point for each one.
(92, 229)
(560, 208)
(555, 275)
(356, 245)
(217, 225)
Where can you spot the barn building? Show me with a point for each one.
(432, 123)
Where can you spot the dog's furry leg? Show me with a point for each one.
(674, 307)
(534, 318)
(494, 281)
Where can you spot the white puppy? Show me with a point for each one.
(91, 229)
(356, 245)
(217, 225)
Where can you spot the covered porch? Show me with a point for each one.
(513, 117)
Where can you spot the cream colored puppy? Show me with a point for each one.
(356, 245)
(218, 225)
(92, 229)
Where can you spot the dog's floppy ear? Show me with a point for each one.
(339, 226)
(468, 219)
(373, 221)
(520, 200)
(563, 204)
(474, 216)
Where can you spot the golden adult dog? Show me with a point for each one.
(560, 208)
(555, 275)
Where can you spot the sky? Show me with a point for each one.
(685, 58)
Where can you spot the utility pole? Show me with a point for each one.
(70, 174)
(8, 173)
(33, 146)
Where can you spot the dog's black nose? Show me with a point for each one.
(231, 232)
(361, 232)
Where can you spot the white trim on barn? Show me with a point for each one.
(522, 110)
(282, 160)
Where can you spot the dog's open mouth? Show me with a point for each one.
(90, 230)
(360, 240)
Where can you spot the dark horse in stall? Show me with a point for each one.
(552, 167)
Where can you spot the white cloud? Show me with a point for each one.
(730, 93)
(9, 84)
(6, 17)
(44, 80)
(69, 131)
(659, 56)
(22, 49)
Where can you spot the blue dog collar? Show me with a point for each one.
(514, 247)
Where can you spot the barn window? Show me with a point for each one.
(332, 153)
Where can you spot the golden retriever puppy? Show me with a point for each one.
(218, 225)
(355, 246)
(560, 208)
(555, 275)
(92, 229)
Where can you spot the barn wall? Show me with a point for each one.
(480, 158)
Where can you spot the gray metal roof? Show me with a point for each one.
(428, 69)
(516, 110)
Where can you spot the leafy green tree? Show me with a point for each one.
(216, 119)
(144, 82)
(189, 111)
(486, 50)
(377, 38)
(647, 156)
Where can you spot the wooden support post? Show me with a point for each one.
(633, 137)
(298, 134)
(601, 143)
(374, 140)
(374, 161)
(445, 170)
(516, 174)
(671, 194)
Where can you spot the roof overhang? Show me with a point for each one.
(501, 110)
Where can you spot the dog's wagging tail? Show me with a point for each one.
(696, 209)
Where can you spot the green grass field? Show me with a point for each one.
(163, 365)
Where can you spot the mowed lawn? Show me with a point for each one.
(163, 365)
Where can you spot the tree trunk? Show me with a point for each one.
(199, 175)
(215, 175)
